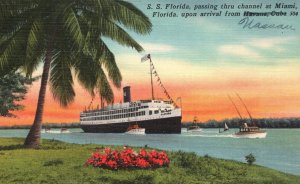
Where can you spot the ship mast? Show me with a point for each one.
(235, 107)
(246, 109)
(151, 71)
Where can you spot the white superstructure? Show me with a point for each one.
(142, 110)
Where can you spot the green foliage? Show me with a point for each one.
(185, 160)
(19, 165)
(250, 159)
(69, 33)
(13, 88)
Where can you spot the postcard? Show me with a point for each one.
(210, 79)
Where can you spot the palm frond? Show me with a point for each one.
(35, 47)
(105, 90)
(116, 33)
(99, 51)
(10, 26)
(131, 17)
(120, 11)
(14, 15)
(92, 77)
(109, 62)
(61, 80)
(89, 46)
(14, 8)
(84, 24)
(12, 51)
(71, 24)
(103, 24)
(86, 71)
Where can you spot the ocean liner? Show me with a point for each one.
(155, 116)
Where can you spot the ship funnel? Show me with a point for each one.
(126, 94)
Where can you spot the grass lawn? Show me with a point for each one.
(59, 162)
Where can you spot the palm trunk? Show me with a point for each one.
(33, 138)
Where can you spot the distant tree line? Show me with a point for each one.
(231, 123)
(45, 125)
(62, 125)
(262, 123)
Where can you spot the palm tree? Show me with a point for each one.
(66, 37)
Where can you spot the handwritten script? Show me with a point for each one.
(248, 23)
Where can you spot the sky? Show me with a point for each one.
(202, 60)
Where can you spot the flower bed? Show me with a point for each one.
(114, 159)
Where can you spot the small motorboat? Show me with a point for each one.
(250, 132)
(246, 131)
(55, 131)
(46, 130)
(135, 129)
(194, 127)
(64, 130)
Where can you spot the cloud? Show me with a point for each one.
(156, 47)
(251, 49)
(273, 42)
(239, 50)
(209, 25)
(169, 69)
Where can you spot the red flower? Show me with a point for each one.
(107, 150)
(142, 163)
(143, 153)
(112, 164)
(127, 158)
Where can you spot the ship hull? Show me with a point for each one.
(154, 126)
(257, 134)
(195, 130)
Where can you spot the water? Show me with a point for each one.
(280, 150)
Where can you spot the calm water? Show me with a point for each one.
(280, 150)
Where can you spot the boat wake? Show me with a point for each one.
(206, 135)
(251, 136)
(55, 132)
(214, 135)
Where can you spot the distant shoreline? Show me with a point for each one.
(232, 123)
(45, 125)
(260, 122)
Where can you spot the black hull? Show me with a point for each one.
(156, 126)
